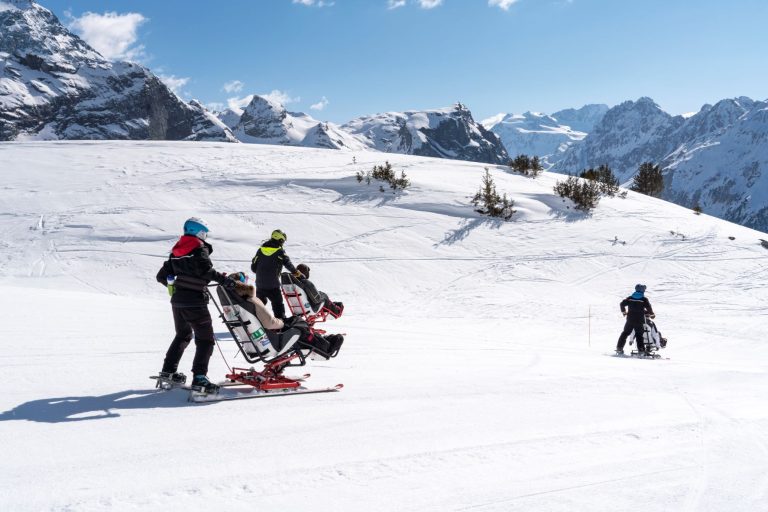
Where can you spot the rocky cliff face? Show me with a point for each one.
(717, 158)
(53, 85)
(443, 133)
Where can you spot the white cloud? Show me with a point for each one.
(113, 35)
(174, 83)
(280, 97)
(238, 104)
(318, 3)
(320, 105)
(429, 4)
(503, 4)
(394, 4)
(215, 106)
(233, 86)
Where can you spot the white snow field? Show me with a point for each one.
(475, 371)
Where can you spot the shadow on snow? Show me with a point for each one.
(82, 408)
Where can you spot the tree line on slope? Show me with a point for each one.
(585, 190)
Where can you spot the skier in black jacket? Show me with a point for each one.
(635, 307)
(187, 273)
(267, 265)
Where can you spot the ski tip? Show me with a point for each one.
(338, 386)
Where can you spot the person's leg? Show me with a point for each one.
(179, 343)
(639, 331)
(262, 295)
(623, 336)
(200, 320)
(276, 298)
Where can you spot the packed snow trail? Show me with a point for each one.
(473, 369)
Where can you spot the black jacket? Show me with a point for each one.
(190, 262)
(637, 307)
(268, 263)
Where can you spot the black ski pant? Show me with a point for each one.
(628, 328)
(275, 296)
(187, 321)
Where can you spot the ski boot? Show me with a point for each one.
(168, 380)
(619, 352)
(201, 384)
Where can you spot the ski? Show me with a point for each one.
(232, 390)
(166, 384)
(635, 356)
(232, 394)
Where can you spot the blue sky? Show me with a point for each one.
(339, 59)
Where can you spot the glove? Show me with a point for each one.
(624, 313)
(653, 316)
(298, 275)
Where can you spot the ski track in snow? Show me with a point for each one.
(473, 363)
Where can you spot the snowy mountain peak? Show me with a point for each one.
(53, 85)
(261, 107)
(7, 5)
(444, 133)
(265, 121)
(715, 158)
(543, 135)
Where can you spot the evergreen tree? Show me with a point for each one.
(603, 175)
(536, 166)
(584, 193)
(488, 202)
(648, 180)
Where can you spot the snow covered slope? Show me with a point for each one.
(542, 135)
(716, 158)
(474, 368)
(55, 86)
(443, 133)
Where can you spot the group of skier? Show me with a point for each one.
(187, 273)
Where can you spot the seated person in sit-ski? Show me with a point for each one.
(248, 292)
(328, 343)
(315, 296)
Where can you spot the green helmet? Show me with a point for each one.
(279, 235)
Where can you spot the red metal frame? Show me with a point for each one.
(310, 317)
(271, 377)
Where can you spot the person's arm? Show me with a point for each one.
(165, 271)
(648, 307)
(255, 261)
(623, 306)
(205, 267)
(287, 263)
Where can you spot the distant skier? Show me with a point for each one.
(635, 307)
(267, 264)
(187, 273)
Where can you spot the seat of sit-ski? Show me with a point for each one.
(296, 296)
(250, 333)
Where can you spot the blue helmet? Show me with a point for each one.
(196, 227)
(640, 288)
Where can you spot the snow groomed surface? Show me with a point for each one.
(474, 368)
